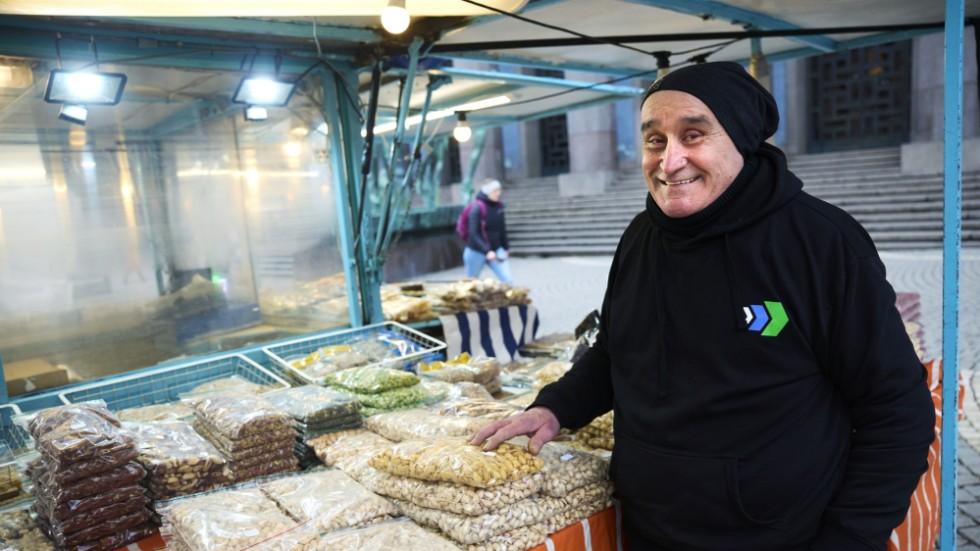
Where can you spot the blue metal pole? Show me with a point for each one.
(952, 180)
(339, 134)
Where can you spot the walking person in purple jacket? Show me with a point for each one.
(486, 238)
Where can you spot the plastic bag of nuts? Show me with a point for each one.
(517, 539)
(371, 380)
(416, 423)
(330, 498)
(468, 530)
(76, 432)
(400, 534)
(228, 520)
(337, 446)
(487, 409)
(237, 415)
(455, 498)
(173, 447)
(312, 404)
(455, 460)
(566, 469)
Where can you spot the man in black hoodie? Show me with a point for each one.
(766, 394)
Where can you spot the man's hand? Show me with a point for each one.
(539, 423)
(491, 256)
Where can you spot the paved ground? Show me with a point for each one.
(566, 289)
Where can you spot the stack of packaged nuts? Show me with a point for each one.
(86, 482)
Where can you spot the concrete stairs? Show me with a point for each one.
(900, 212)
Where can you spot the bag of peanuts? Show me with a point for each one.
(566, 469)
(518, 539)
(455, 460)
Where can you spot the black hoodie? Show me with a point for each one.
(766, 394)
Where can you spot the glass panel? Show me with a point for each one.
(166, 226)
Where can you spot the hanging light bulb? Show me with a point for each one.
(462, 132)
(395, 18)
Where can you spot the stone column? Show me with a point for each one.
(591, 146)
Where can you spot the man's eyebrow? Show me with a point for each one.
(691, 120)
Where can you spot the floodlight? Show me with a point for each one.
(73, 113)
(84, 87)
(256, 113)
(264, 91)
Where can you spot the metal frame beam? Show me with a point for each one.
(738, 16)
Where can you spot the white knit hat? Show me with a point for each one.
(490, 187)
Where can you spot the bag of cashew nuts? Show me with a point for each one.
(397, 534)
(455, 498)
(455, 460)
(330, 498)
(337, 446)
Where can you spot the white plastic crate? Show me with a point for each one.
(414, 347)
(167, 384)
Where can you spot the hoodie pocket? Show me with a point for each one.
(680, 496)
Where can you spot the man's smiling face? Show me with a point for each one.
(688, 158)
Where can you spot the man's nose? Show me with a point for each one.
(674, 157)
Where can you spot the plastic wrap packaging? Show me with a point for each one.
(311, 404)
(570, 516)
(81, 520)
(467, 530)
(19, 532)
(115, 540)
(248, 445)
(12, 484)
(56, 494)
(159, 412)
(278, 466)
(486, 409)
(236, 415)
(523, 400)
(266, 458)
(400, 534)
(399, 398)
(371, 380)
(334, 447)
(455, 460)
(346, 422)
(57, 512)
(455, 498)
(518, 539)
(566, 469)
(463, 368)
(234, 384)
(179, 460)
(329, 498)
(474, 391)
(412, 424)
(315, 367)
(63, 474)
(551, 372)
(228, 520)
(174, 447)
(77, 432)
(93, 533)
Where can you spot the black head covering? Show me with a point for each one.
(744, 107)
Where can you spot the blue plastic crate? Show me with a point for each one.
(414, 347)
(166, 384)
(15, 439)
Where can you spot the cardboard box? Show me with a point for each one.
(35, 374)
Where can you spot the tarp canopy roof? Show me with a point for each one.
(553, 55)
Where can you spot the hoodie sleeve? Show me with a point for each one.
(874, 366)
(586, 391)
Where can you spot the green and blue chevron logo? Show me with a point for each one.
(768, 317)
